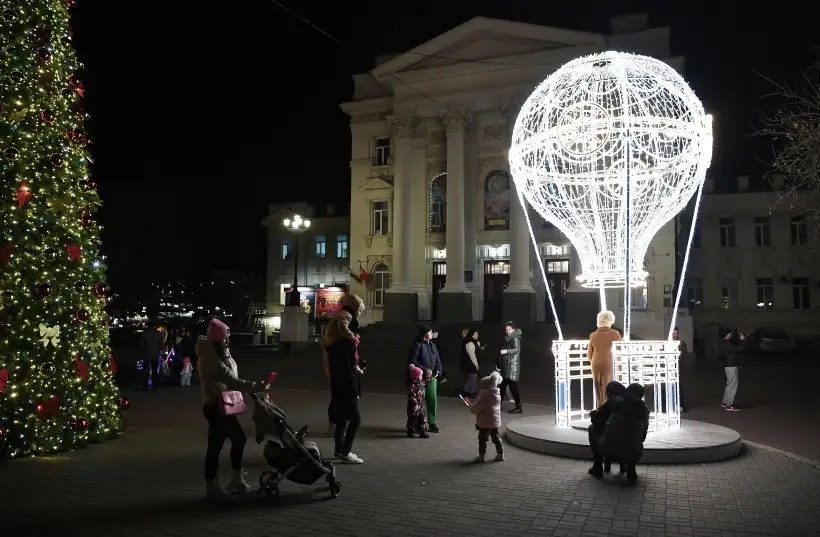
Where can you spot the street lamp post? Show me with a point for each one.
(296, 226)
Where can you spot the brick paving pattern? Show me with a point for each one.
(148, 483)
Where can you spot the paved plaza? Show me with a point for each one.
(149, 482)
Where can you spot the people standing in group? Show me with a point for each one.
(416, 404)
(599, 354)
(218, 373)
(732, 346)
(152, 342)
(618, 430)
(470, 349)
(424, 355)
(509, 364)
(341, 357)
(487, 410)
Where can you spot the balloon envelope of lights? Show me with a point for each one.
(609, 148)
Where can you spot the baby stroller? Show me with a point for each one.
(288, 454)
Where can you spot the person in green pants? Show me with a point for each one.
(425, 356)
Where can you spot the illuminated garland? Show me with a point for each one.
(57, 390)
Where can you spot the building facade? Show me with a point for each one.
(320, 257)
(435, 219)
(752, 262)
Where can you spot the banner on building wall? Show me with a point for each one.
(329, 301)
(497, 201)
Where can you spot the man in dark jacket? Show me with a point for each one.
(424, 355)
(731, 350)
(509, 364)
(151, 343)
(618, 430)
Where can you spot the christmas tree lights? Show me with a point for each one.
(57, 389)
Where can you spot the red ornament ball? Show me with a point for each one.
(70, 4)
(44, 54)
(100, 290)
(43, 290)
(47, 116)
(125, 403)
(56, 160)
(81, 315)
(79, 424)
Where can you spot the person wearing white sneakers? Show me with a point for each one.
(218, 373)
(343, 367)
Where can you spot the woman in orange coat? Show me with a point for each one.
(599, 353)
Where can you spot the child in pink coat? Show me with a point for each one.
(487, 410)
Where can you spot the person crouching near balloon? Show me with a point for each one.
(487, 410)
(416, 403)
(618, 431)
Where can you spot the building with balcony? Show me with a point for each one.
(319, 257)
(752, 261)
(435, 219)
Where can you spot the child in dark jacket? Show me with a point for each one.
(416, 404)
(618, 430)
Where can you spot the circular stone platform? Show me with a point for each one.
(694, 442)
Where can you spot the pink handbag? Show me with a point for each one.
(233, 403)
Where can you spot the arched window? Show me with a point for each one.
(438, 203)
(497, 201)
(381, 283)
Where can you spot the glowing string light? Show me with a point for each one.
(597, 127)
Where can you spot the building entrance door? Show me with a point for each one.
(496, 279)
(558, 280)
(439, 279)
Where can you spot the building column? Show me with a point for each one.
(454, 301)
(401, 303)
(518, 301)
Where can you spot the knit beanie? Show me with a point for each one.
(217, 331)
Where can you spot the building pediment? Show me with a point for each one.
(377, 183)
(485, 40)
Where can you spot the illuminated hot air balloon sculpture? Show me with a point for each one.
(610, 148)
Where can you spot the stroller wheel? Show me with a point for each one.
(335, 487)
(268, 491)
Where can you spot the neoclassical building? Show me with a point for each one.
(435, 222)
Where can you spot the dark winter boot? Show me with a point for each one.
(597, 471)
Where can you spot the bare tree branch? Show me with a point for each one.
(793, 127)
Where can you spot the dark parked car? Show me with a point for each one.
(768, 340)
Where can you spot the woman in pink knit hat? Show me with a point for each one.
(218, 373)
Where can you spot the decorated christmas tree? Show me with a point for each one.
(57, 390)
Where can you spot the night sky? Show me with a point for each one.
(203, 113)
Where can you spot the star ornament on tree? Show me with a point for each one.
(23, 194)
